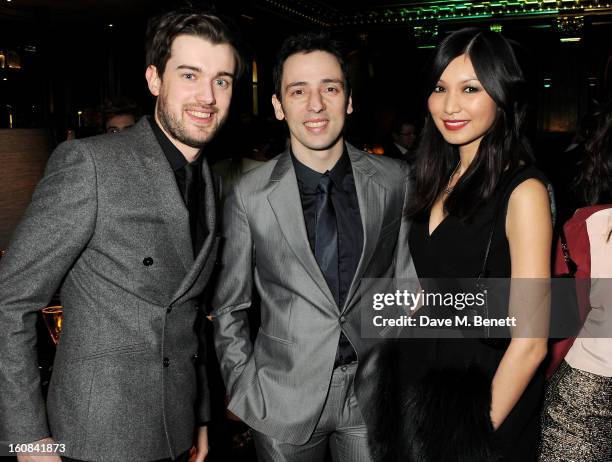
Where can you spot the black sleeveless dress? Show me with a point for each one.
(456, 249)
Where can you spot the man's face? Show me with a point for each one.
(406, 136)
(194, 93)
(119, 122)
(313, 101)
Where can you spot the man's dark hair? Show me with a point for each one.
(308, 42)
(119, 106)
(163, 29)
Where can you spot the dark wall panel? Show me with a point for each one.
(23, 156)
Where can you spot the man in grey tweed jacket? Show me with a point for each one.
(113, 223)
(303, 230)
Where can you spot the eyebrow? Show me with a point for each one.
(198, 69)
(463, 81)
(301, 83)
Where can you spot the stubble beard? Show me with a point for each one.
(176, 128)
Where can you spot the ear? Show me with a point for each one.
(278, 108)
(349, 104)
(153, 80)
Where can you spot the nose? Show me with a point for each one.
(206, 93)
(315, 102)
(451, 103)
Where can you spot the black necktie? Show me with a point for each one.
(192, 202)
(326, 237)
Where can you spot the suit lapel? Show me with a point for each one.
(372, 198)
(287, 207)
(210, 241)
(162, 184)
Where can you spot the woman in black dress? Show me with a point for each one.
(469, 399)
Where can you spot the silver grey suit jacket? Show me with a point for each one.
(278, 385)
(108, 224)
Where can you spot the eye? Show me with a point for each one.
(332, 90)
(188, 76)
(222, 83)
(471, 90)
(438, 89)
(297, 92)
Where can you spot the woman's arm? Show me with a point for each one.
(529, 232)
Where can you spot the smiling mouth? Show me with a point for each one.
(200, 116)
(316, 125)
(455, 124)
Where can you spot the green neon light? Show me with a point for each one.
(452, 10)
(570, 39)
(538, 13)
(423, 47)
(472, 16)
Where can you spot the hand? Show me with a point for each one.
(201, 449)
(39, 456)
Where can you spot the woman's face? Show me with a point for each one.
(460, 107)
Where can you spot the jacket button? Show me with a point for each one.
(166, 362)
(342, 319)
(147, 261)
(169, 309)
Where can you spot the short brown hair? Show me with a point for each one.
(163, 29)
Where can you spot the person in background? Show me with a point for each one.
(577, 416)
(260, 142)
(402, 143)
(119, 114)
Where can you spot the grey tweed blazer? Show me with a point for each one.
(278, 385)
(107, 224)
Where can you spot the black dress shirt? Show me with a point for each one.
(197, 217)
(350, 231)
(179, 164)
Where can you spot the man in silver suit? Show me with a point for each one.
(303, 230)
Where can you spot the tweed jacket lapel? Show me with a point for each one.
(287, 206)
(371, 196)
(211, 240)
(163, 185)
(173, 209)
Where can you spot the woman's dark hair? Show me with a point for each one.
(594, 179)
(504, 146)
(307, 42)
(163, 29)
